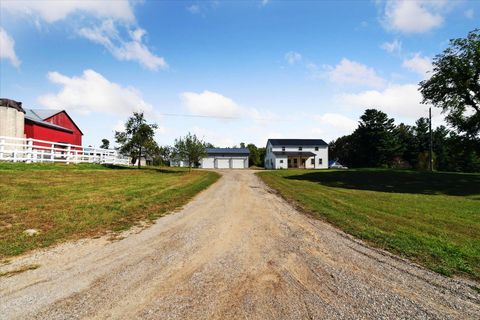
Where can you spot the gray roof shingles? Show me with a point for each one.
(297, 142)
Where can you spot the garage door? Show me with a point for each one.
(238, 164)
(223, 163)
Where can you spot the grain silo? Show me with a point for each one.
(12, 119)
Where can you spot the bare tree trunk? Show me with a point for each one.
(139, 156)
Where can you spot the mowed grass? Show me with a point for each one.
(73, 201)
(430, 218)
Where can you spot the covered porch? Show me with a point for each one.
(294, 159)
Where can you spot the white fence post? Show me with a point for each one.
(2, 147)
(69, 148)
(29, 150)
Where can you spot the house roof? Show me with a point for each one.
(33, 116)
(294, 153)
(297, 142)
(228, 151)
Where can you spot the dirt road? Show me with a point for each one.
(237, 251)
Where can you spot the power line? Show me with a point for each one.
(218, 117)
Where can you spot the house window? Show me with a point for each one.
(281, 161)
(299, 148)
(283, 148)
(320, 161)
(313, 161)
(316, 148)
(295, 160)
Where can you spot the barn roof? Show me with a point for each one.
(46, 113)
(228, 151)
(297, 142)
(33, 116)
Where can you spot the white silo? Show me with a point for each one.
(12, 119)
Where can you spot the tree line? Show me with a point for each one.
(453, 86)
(378, 142)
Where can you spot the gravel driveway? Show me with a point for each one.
(237, 251)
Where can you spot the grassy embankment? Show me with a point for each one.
(430, 218)
(72, 201)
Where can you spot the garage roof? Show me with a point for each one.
(228, 151)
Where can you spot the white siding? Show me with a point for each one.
(273, 162)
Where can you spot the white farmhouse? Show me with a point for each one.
(296, 153)
(225, 158)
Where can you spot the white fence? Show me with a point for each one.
(33, 150)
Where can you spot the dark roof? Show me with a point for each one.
(228, 151)
(12, 104)
(297, 142)
(33, 116)
(294, 153)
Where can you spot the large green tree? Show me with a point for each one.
(454, 84)
(137, 140)
(254, 157)
(189, 149)
(375, 139)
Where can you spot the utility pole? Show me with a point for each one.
(430, 157)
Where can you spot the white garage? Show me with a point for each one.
(222, 163)
(226, 158)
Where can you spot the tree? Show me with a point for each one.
(162, 156)
(242, 145)
(375, 139)
(455, 84)
(189, 149)
(261, 156)
(137, 140)
(105, 144)
(254, 157)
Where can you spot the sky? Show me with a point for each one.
(228, 71)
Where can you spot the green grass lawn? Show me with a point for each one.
(430, 218)
(72, 201)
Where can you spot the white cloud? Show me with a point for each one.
(194, 8)
(131, 50)
(54, 10)
(7, 48)
(211, 104)
(392, 47)
(351, 72)
(413, 16)
(264, 2)
(293, 57)
(336, 121)
(395, 100)
(126, 46)
(469, 13)
(92, 92)
(419, 64)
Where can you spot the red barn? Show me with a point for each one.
(52, 125)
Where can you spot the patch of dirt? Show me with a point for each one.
(237, 251)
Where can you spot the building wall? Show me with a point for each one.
(63, 120)
(12, 122)
(223, 162)
(273, 162)
(36, 131)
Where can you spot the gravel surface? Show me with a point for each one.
(237, 251)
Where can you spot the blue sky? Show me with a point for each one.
(251, 69)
